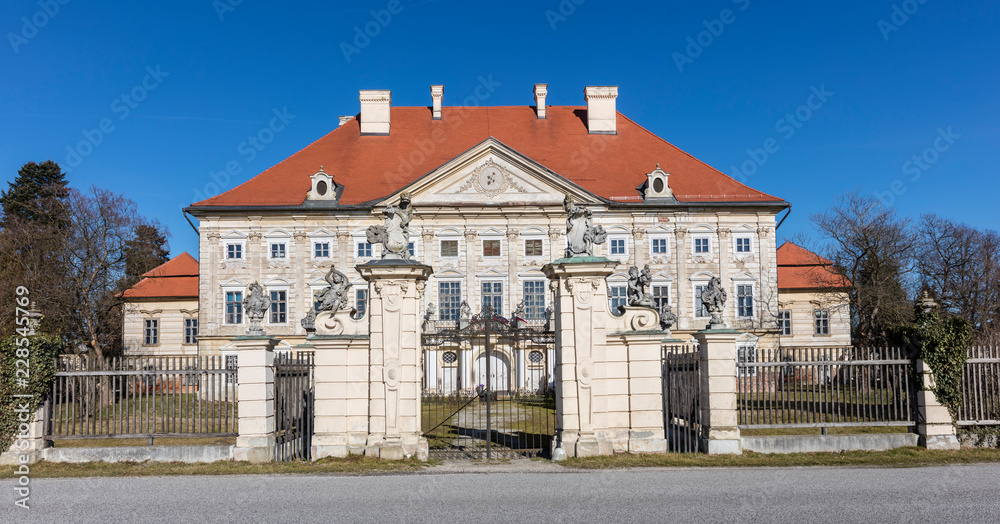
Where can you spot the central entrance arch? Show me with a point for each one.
(499, 371)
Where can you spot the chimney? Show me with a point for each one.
(375, 111)
(540, 91)
(437, 95)
(601, 113)
(345, 119)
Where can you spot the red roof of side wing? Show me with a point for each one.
(176, 278)
(373, 167)
(799, 268)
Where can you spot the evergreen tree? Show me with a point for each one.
(38, 195)
(147, 250)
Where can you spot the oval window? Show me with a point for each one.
(536, 356)
(449, 358)
(658, 185)
(321, 187)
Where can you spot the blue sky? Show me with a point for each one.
(178, 87)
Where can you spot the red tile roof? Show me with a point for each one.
(373, 167)
(799, 268)
(176, 278)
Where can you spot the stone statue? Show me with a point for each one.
(394, 233)
(549, 326)
(667, 317)
(517, 320)
(309, 322)
(429, 319)
(714, 299)
(637, 296)
(464, 311)
(581, 234)
(255, 305)
(334, 296)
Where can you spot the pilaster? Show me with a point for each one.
(937, 430)
(255, 391)
(718, 386)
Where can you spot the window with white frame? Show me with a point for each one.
(822, 321)
(234, 307)
(449, 300)
(152, 332)
(744, 300)
(785, 322)
(661, 295)
(533, 247)
(493, 296)
(412, 248)
(279, 307)
(449, 248)
(702, 245)
(534, 299)
(360, 302)
(278, 250)
(190, 330)
(234, 251)
(659, 246)
(746, 353)
(742, 245)
(618, 296)
(364, 249)
(699, 306)
(321, 249)
(618, 246)
(231, 360)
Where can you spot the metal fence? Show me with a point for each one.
(980, 388)
(825, 387)
(142, 397)
(293, 405)
(682, 398)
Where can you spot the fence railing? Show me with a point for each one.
(981, 388)
(682, 398)
(142, 397)
(825, 387)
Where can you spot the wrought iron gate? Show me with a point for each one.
(293, 406)
(682, 398)
(488, 388)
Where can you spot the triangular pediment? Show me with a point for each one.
(493, 174)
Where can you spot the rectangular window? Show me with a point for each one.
(231, 363)
(491, 248)
(152, 337)
(360, 302)
(533, 247)
(746, 354)
(234, 307)
(744, 300)
(278, 250)
(364, 250)
(321, 249)
(449, 248)
(493, 296)
(316, 301)
(534, 299)
(742, 245)
(785, 322)
(617, 246)
(449, 300)
(618, 297)
(412, 248)
(701, 245)
(190, 330)
(822, 322)
(234, 251)
(659, 246)
(661, 294)
(279, 305)
(699, 307)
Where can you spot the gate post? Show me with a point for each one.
(394, 365)
(581, 313)
(937, 430)
(718, 389)
(255, 398)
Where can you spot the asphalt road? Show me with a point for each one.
(940, 494)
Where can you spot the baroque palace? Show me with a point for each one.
(487, 188)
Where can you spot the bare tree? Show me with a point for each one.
(873, 247)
